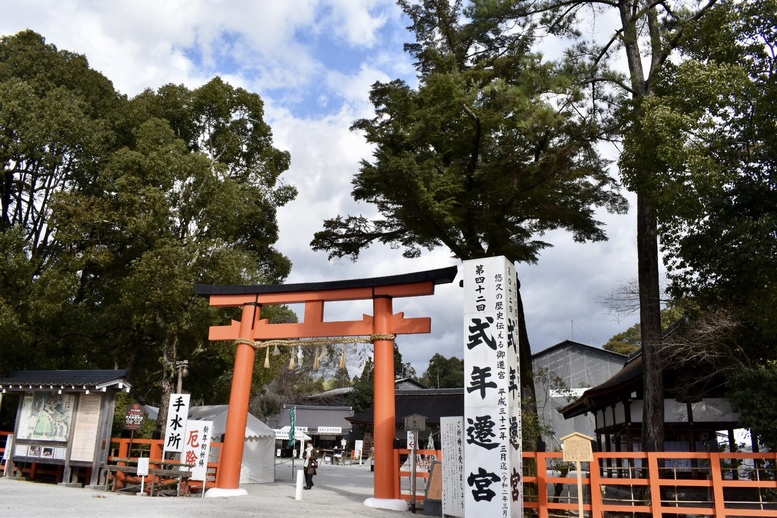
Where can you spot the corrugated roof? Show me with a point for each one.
(573, 344)
(65, 379)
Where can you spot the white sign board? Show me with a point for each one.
(332, 430)
(452, 442)
(177, 415)
(143, 464)
(87, 422)
(8, 447)
(197, 447)
(492, 397)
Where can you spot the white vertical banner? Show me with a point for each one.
(196, 449)
(177, 415)
(452, 442)
(493, 460)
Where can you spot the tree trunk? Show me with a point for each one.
(168, 376)
(647, 245)
(650, 323)
(528, 395)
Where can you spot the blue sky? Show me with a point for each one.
(313, 62)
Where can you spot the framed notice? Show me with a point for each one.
(86, 427)
(452, 440)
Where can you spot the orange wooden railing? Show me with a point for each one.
(656, 484)
(424, 459)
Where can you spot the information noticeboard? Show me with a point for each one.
(577, 448)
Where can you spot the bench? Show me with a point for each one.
(123, 476)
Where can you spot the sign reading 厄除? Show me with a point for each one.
(197, 448)
(492, 396)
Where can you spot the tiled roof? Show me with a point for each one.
(65, 379)
(430, 403)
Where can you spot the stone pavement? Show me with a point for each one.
(339, 491)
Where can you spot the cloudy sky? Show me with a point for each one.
(312, 62)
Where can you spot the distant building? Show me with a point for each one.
(693, 414)
(576, 367)
(326, 425)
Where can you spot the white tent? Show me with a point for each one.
(258, 449)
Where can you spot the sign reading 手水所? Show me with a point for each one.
(492, 396)
(177, 415)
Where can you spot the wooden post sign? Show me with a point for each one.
(577, 448)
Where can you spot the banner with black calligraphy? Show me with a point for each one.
(492, 397)
(177, 415)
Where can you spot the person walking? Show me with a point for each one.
(310, 464)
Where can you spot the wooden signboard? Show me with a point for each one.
(577, 449)
(434, 487)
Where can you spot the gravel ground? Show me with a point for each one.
(339, 491)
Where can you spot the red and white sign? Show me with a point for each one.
(197, 447)
(134, 418)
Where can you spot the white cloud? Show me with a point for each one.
(274, 48)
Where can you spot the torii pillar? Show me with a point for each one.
(384, 323)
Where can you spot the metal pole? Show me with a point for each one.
(413, 471)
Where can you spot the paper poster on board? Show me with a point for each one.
(46, 416)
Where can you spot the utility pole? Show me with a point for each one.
(183, 371)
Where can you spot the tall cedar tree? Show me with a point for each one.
(648, 33)
(491, 150)
(712, 124)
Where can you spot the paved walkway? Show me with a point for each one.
(339, 491)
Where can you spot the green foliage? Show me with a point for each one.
(747, 393)
(476, 161)
(444, 372)
(362, 396)
(648, 35)
(712, 125)
(113, 208)
(124, 401)
(630, 340)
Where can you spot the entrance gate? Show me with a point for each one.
(251, 331)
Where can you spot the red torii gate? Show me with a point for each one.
(381, 327)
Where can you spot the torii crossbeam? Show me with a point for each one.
(383, 323)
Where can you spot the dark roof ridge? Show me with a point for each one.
(438, 276)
